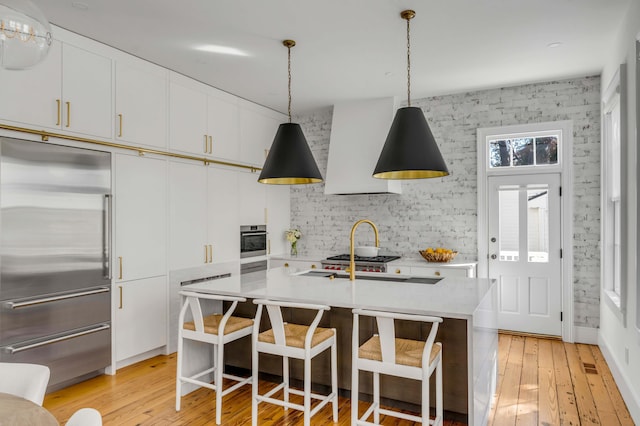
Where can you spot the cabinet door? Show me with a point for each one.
(223, 126)
(141, 106)
(253, 197)
(29, 96)
(278, 218)
(257, 131)
(441, 272)
(140, 217)
(222, 217)
(187, 120)
(187, 215)
(86, 86)
(141, 316)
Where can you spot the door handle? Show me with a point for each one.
(120, 287)
(120, 272)
(120, 126)
(210, 144)
(210, 253)
(68, 114)
(58, 108)
(493, 239)
(206, 144)
(494, 257)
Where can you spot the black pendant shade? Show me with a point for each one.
(290, 160)
(410, 151)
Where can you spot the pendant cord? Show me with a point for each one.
(408, 65)
(289, 75)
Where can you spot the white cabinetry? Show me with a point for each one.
(141, 104)
(140, 217)
(258, 127)
(141, 316)
(203, 120)
(444, 270)
(223, 219)
(253, 199)
(70, 90)
(278, 218)
(295, 265)
(187, 215)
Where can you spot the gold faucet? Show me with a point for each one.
(352, 262)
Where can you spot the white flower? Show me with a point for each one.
(293, 235)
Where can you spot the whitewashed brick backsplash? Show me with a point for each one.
(443, 211)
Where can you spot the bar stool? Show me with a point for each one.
(216, 329)
(293, 341)
(386, 354)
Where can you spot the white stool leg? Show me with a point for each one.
(334, 379)
(254, 386)
(285, 379)
(179, 372)
(376, 397)
(307, 391)
(425, 398)
(354, 391)
(219, 363)
(439, 408)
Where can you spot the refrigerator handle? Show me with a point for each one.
(106, 237)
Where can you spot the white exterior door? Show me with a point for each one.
(524, 250)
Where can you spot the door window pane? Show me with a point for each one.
(523, 152)
(500, 153)
(538, 224)
(547, 150)
(509, 223)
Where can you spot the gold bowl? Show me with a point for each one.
(438, 257)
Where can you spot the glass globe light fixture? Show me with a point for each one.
(25, 34)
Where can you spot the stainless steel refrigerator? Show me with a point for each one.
(55, 286)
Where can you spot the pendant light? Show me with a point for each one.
(410, 151)
(25, 34)
(290, 160)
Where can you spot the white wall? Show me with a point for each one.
(620, 342)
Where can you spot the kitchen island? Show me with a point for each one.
(468, 333)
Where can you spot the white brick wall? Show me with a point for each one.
(442, 212)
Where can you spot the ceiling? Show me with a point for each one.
(354, 49)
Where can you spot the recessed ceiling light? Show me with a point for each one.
(80, 5)
(554, 45)
(225, 50)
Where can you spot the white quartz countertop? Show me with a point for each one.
(451, 297)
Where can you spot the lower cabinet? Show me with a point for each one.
(300, 265)
(141, 316)
(461, 271)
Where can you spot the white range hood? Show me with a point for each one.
(358, 132)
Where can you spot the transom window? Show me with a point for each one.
(524, 151)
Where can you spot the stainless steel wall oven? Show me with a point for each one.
(253, 241)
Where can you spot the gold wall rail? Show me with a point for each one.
(46, 135)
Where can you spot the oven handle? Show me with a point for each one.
(249, 234)
(15, 349)
(26, 303)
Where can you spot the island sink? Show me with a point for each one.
(399, 278)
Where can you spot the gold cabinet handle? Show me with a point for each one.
(120, 288)
(398, 271)
(68, 114)
(120, 126)
(437, 273)
(206, 253)
(313, 266)
(206, 144)
(210, 253)
(286, 265)
(210, 144)
(120, 269)
(58, 108)
(269, 246)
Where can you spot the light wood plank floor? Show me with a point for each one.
(540, 382)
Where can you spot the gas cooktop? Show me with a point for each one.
(376, 259)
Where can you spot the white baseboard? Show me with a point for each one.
(587, 335)
(141, 357)
(630, 398)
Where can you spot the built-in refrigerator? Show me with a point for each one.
(55, 286)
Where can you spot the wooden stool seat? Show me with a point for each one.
(212, 322)
(408, 352)
(295, 334)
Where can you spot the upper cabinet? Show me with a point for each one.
(70, 90)
(141, 104)
(258, 127)
(203, 121)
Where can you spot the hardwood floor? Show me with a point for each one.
(540, 381)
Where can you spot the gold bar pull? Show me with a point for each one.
(58, 108)
(206, 253)
(206, 144)
(120, 261)
(120, 287)
(120, 127)
(68, 114)
(269, 246)
(210, 144)
(210, 253)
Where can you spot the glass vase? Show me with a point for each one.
(294, 248)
